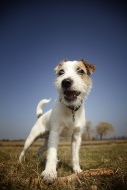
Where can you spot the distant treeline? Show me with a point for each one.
(12, 140)
(112, 138)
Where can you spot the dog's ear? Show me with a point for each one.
(89, 67)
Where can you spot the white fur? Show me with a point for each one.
(59, 122)
(40, 106)
(79, 85)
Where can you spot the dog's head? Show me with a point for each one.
(73, 81)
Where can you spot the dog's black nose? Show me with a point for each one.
(66, 83)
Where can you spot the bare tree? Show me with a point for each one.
(87, 135)
(104, 129)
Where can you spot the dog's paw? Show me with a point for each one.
(49, 176)
(77, 169)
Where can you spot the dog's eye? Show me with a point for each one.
(61, 72)
(80, 71)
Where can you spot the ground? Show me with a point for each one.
(110, 154)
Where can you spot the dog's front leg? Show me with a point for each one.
(76, 141)
(50, 173)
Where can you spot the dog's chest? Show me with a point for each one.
(67, 130)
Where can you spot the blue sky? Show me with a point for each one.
(36, 35)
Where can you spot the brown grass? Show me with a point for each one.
(93, 155)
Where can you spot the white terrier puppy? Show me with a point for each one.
(67, 117)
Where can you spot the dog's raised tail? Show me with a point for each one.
(40, 105)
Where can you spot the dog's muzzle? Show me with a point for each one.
(66, 83)
(69, 95)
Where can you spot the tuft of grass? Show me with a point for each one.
(15, 175)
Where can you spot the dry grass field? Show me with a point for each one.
(93, 154)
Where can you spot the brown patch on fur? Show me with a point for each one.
(39, 115)
(85, 77)
(82, 66)
(89, 67)
(57, 68)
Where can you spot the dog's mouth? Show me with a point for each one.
(71, 95)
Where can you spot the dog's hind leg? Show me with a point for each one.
(42, 149)
(29, 141)
(35, 133)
